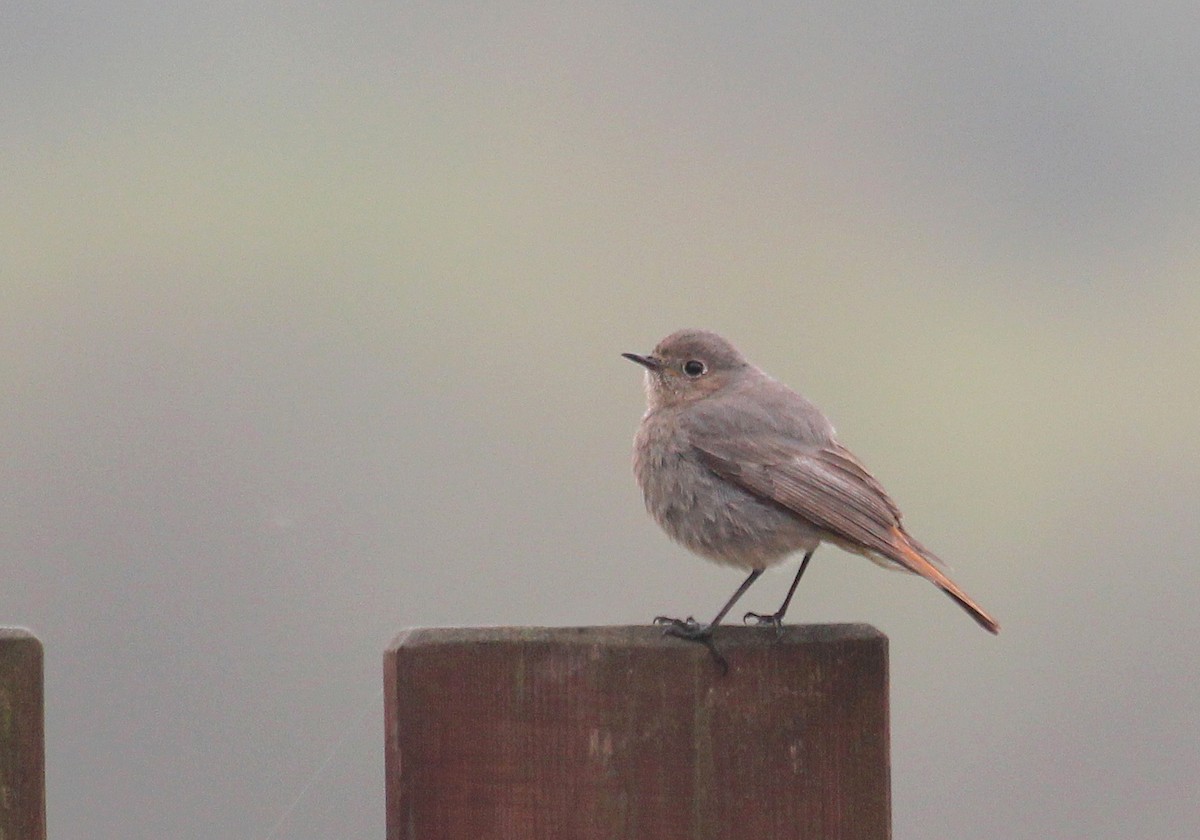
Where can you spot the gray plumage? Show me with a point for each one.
(744, 471)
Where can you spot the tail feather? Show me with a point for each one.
(910, 554)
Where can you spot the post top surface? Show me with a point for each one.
(16, 634)
(632, 636)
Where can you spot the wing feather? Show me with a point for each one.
(829, 487)
(825, 485)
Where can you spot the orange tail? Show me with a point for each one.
(912, 557)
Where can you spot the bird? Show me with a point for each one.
(744, 471)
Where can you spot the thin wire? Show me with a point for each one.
(321, 768)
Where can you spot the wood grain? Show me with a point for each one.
(620, 732)
(22, 739)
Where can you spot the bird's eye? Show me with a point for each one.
(694, 368)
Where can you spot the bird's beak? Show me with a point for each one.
(648, 362)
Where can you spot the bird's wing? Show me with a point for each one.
(824, 484)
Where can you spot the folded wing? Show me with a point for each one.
(827, 486)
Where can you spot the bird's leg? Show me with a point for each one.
(776, 619)
(692, 630)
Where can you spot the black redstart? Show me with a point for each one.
(744, 471)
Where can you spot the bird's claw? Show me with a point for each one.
(691, 630)
(684, 628)
(759, 620)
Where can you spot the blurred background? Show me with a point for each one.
(310, 327)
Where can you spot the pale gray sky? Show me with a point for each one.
(310, 331)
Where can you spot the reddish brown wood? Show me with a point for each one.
(22, 751)
(620, 732)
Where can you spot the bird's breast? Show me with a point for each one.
(706, 513)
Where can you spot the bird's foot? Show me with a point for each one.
(759, 620)
(691, 630)
(684, 628)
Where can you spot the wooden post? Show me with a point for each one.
(22, 744)
(621, 732)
